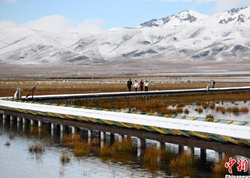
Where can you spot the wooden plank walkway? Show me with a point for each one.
(67, 97)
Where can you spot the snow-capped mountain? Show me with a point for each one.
(185, 36)
(183, 18)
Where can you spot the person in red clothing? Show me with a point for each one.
(141, 84)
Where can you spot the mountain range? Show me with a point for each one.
(187, 36)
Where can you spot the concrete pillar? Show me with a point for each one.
(23, 126)
(223, 155)
(52, 126)
(181, 149)
(120, 138)
(61, 138)
(52, 133)
(39, 131)
(102, 136)
(141, 142)
(11, 125)
(4, 116)
(90, 133)
(66, 128)
(203, 156)
(160, 145)
(31, 122)
(190, 150)
(11, 118)
(139, 151)
(102, 143)
(24, 120)
(73, 130)
(18, 126)
(61, 128)
(39, 123)
(18, 119)
(3, 123)
(216, 157)
(112, 138)
(89, 140)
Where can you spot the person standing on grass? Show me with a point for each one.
(212, 83)
(129, 84)
(136, 85)
(146, 85)
(141, 84)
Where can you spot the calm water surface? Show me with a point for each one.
(218, 114)
(17, 161)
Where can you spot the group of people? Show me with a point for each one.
(137, 84)
(141, 84)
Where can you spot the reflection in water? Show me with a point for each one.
(239, 116)
(18, 161)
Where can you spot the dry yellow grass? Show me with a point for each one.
(106, 150)
(38, 131)
(68, 140)
(150, 156)
(152, 104)
(200, 110)
(219, 169)
(36, 149)
(183, 160)
(160, 104)
(184, 164)
(11, 135)
(81, 148)
(8, 88)
(122, 147)
(65, 158)
(186, 111)
(212, 106)
(95, 142)
(244, 110)
(221, 109)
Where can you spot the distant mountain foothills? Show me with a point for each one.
(187, 36)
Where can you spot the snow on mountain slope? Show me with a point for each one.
(183, 18)
(185, 36)
(26, 46)
(233, 16)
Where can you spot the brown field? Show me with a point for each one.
(48, 87)
(118, 84)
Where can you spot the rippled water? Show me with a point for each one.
(17, 161)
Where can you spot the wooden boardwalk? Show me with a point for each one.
(224, 137)
(67, 97)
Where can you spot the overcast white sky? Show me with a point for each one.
(96, 15)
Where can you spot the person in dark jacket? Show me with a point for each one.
(129, 84)
(141, 84)
(213, 83)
